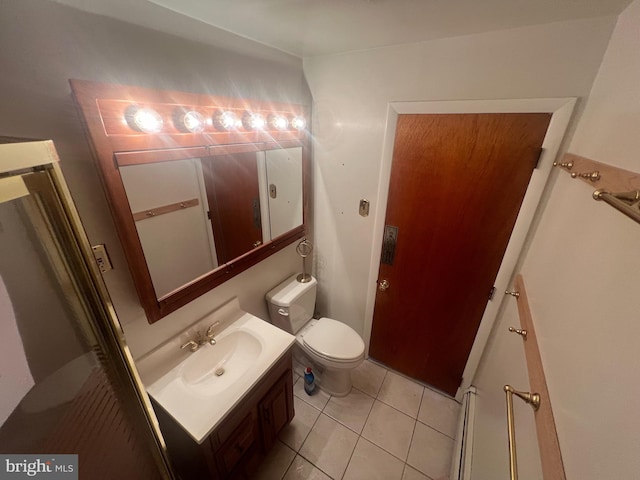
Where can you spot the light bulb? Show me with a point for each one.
(193, 121)
(253, 121)
(226, 120)
(144, 120)
(279, 122)
(299, 123)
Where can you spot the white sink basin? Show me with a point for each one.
(199, 389)
(213, 368)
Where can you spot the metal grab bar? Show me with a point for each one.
(532, 399)
(626, 202)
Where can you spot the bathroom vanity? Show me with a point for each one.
(238, 445)
(221, 407)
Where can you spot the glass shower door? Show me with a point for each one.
(64, 384)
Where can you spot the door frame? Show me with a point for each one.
(561, 110)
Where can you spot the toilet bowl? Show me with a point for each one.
(333, 347)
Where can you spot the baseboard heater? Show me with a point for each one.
(463, 448)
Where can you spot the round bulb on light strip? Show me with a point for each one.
(279, 122)
(144, 120)
(226, 120)
(253, 121)
(299, 123)
(193, 122)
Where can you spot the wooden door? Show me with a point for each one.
(457, 183)
(234, 203)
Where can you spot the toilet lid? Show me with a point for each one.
(335, 340)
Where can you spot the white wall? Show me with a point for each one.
(43, 44)
(582, 274)
(351, 93)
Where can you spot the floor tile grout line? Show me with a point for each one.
(411, 444)
(305, 439)
(386, 371)
(406, 465)
(412, 436)
(365, 420)
(295, 454)
(309, 432)
(434, 428)
(397, 410)
(350, 457)
(316, 466)
(385, 450)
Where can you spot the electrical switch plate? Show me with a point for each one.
(102, 257)
(364, 208)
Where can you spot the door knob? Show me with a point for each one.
(383, 285)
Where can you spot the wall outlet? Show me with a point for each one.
(102, 257)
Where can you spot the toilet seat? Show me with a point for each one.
(334, 341)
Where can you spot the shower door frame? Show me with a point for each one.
(39, 158)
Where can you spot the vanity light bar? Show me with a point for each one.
(187, 120)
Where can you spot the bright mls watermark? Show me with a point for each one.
(39, 467)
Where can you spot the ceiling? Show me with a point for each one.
(306, 28)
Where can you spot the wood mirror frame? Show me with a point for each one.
(103, 108)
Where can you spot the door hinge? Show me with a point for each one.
(492, 292)
(209, 214)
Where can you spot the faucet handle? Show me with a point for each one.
(193, 346)
(210, 329)
(210, 335)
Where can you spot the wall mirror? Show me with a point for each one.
(201, 188)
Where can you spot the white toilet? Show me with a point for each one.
(334, 348)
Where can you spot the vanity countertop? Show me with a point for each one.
(198, 389)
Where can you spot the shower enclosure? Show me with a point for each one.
(67, 384)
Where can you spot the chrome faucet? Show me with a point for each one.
(200, 339)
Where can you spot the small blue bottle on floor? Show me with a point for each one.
(309, 381)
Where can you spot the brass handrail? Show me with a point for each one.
(532, 399)
(626, 202)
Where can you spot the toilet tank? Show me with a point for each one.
(291, 304)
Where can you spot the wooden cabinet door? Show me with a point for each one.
(239, 444)
(276, 409)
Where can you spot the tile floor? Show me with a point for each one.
(387, 428)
